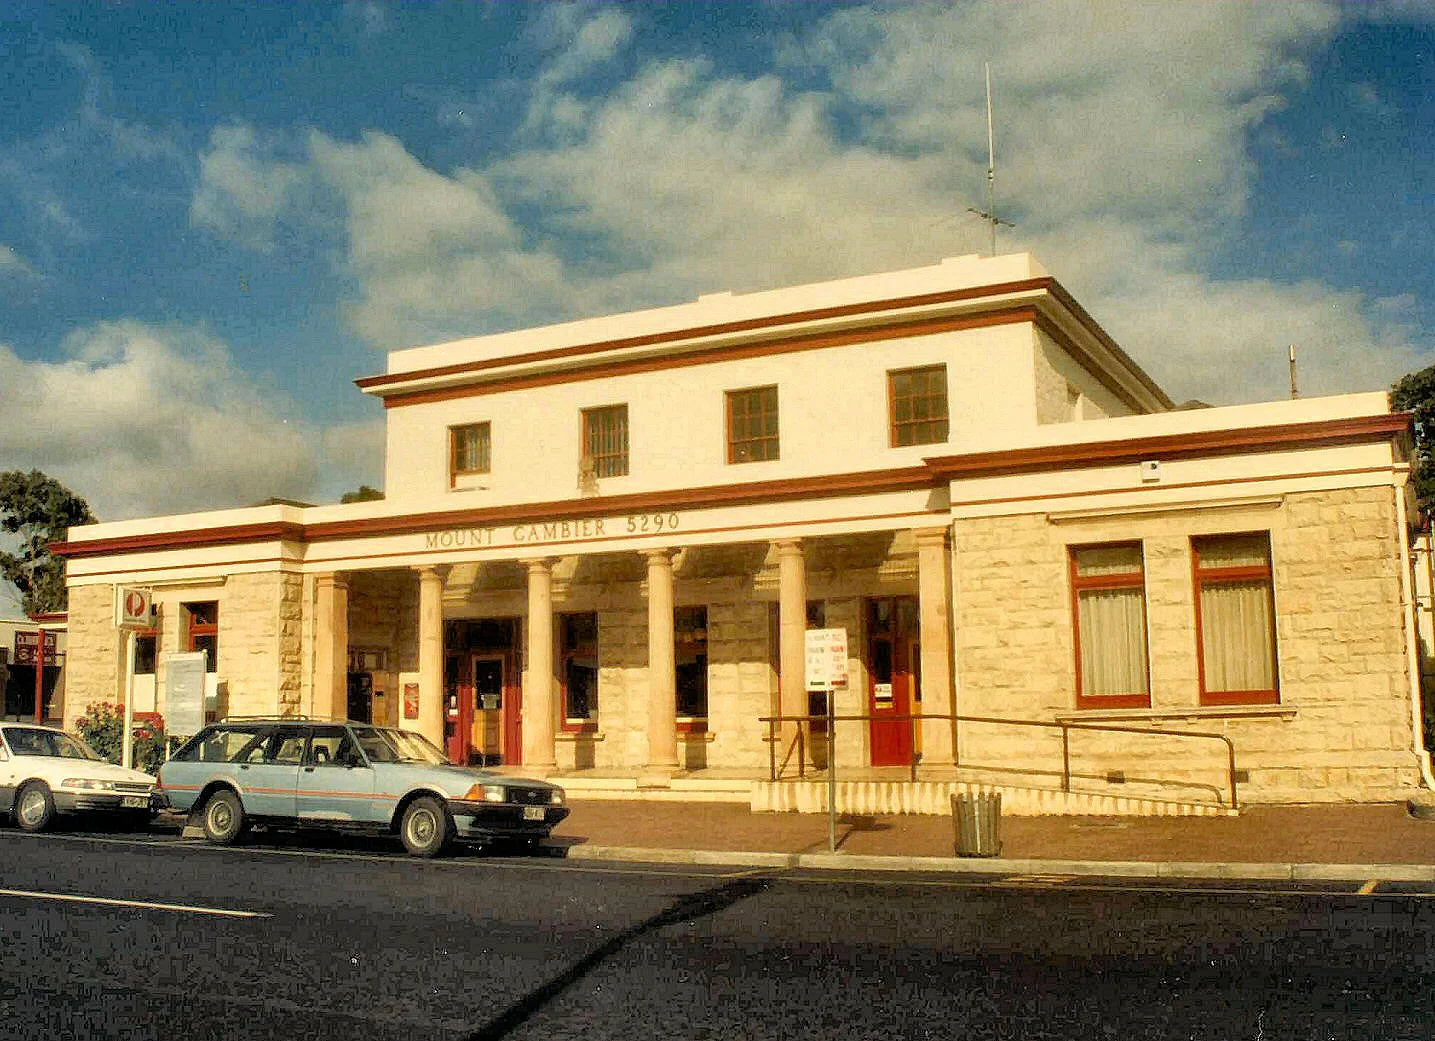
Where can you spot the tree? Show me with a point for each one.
(40, 510)
(1416, 393)
(364, 494)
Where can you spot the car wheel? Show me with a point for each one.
(34, 807)
(224, 820)
(426, 829)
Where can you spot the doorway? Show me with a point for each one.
(483, 697)
(892, 633)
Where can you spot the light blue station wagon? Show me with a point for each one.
(348, 776)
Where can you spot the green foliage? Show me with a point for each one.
(103, 728)
(1416, 393)
(364, 494)
(40, 510)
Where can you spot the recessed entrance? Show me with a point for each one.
(892, 656)
(482, 692)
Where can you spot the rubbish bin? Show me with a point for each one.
(977, 817)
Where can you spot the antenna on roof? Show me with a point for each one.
(990, 213)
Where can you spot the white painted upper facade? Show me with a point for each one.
(1004, 375)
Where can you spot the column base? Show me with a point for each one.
(657, 776)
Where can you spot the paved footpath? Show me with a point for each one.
(1341, 841)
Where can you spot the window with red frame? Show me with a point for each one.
(690, 646)
(917, 400)
(468, 450)
(578, 669)
(605, 440)
(202, 631)
(146, 651)
(1235, 619)
(1108, 585)
(752, 425)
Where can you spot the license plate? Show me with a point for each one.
(135, 802)
(533, 813)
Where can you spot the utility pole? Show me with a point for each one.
(1294, 393)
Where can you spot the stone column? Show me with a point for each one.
(431, 655)
(792, 629)
(662, 681)
(934, 588)
(331, 645)
(539, 687)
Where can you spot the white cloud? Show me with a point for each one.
(1122, 156)
(143, 420)
(243, 187)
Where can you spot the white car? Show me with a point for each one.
(45, 772)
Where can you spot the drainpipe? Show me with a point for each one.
(1412, 656)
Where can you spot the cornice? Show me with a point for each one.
(1314, 434)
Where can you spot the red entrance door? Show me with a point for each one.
(512, 718)
(457, 707)
(891, 685)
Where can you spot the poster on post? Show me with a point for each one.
(826, 654)
(184, 693)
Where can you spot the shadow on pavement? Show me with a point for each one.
(687, 908)
(848, 824)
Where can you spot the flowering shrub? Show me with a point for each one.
(103, 727)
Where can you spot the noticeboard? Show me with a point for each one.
(27, 646)
(184, 692)
(826, 658)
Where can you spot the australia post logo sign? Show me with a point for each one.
(134, 607)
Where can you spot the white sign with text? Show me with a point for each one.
(826, 658)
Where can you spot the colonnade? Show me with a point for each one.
(541, 688)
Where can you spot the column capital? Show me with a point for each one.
(932, 536)
(664, 554)
(538, 564)
(336, 579)
(787, 547)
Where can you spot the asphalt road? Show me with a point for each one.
(273, 940)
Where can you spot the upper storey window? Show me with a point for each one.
(468, 450)
(918, 405)
(605, 440)
(752, 425)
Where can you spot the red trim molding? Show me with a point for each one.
(912, 478)
(228, 535)
(377, 383)
(739, 352)
(936, 471)
(1315, 434)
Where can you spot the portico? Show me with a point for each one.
(755, 599)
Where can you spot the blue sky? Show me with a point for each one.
(213, 217)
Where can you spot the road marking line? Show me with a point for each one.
(142, 904)
(1369, 887)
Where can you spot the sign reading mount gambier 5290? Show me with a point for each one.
(573, 530)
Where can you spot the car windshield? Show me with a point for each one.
(25, 741)
(397, 746)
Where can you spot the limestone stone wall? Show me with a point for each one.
(1342, 729)
(93, 651)
(251, 618)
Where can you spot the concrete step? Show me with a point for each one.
(934, 798)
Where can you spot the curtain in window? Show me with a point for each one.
(1111, 620)
(1236, 627)
(1113, 641)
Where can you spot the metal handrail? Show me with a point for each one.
(1065, 727)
